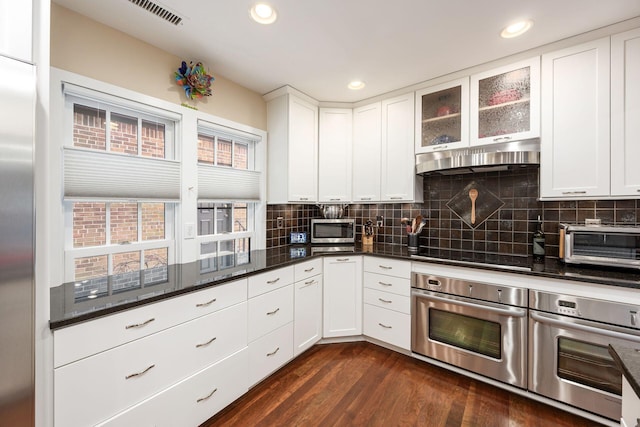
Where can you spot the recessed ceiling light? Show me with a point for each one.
(516, 29)
(263, 13)
(356, 85)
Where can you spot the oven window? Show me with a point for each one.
(470, 333)
(588, 364)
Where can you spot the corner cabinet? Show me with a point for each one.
(625, 111)
(399, 182)
(575, 159)
(292, 121)
(367, 153)
(334, 159)
(342, 296)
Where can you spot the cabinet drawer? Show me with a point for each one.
(387, 300)
(389, 267)
(396, 285)
(192, 401)
(92, 337)
(270, 352)
(269, 311)
(97, 387)
(388, 326)
(265, 282)
(307, 269)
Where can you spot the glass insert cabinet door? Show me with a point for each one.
(505, 103)
(442, 116)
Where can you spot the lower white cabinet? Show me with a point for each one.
(193, 400)
(307, 328)
(630, 405)
(342, 296)
(388, 326)
(269, 311)
(270, 352)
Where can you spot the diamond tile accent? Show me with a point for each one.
(486, 203)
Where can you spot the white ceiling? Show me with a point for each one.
(318, 46)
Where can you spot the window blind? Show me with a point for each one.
(227, 133)
(217, 183)
(92, 174)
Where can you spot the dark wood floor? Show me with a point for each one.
(361, 384)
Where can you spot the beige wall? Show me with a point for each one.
(86, 47)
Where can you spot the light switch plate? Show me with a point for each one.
(189, 230)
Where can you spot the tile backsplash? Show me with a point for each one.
(507, 231)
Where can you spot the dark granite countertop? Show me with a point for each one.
(628, 360)
(79, 301)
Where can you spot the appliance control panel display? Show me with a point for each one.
(569, 308)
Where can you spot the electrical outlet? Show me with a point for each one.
(280, 222)
(379, 221)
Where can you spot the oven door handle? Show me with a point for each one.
(543, 318)
(511, 311)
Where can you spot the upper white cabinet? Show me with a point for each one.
(16, 29)
(367, 152)
(505, 103)
(575, 159)
(399, 181)
(292, 170)
(625, 111)
(334, 162)
(442, 116)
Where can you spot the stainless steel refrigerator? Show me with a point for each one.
(17, 123)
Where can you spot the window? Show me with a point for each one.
(121, 185)
(228, 192)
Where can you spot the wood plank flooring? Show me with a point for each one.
(361, 384)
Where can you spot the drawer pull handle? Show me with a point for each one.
(205, 398)
(271, 282)
(140, 325)
(309, 270)
(396, 197)
(206, 304)
(206, 343)
(342, 259)
(365, 198)
(137, 374)
(271, 313)
(273, 352)
(384, 326)
(384, 267)
(385, 301)
(385, 284)
(307, 284)
(574, 192)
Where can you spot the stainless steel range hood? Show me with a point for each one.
(484, 158)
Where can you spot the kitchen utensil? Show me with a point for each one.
(417, 223)
(473, 195)
(413, 224)
(421, 226)
(332, 211)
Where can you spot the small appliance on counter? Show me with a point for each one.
(606, 245)
(334, 231)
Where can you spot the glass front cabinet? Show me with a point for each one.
(442, 116)
(505, 103)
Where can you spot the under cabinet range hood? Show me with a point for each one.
(485, 158)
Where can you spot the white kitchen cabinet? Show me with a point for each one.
(399, 181)
(270, 352)
(334, 155)
(630, 405)
(307, 323)
(259, 284)
(342, 296)
(16, 23)
(387, 301)
(505, 103)
(269, 311)
(367, 153)
(292, 121)
(442, 116)
(575, 159)
(625, 111)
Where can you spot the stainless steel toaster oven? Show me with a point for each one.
(606, 245)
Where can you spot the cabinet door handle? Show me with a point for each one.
(206, 304)
(271, 282)
(385, 301)
(307, 284)
(304, 198)
(140, 325)
(271, 313)
(385, 284)
(574, 192)
(384, 326)
(204, 344)
(342, 259)
(334, 200)
(396, 197)
(440, 147)
(273, 352)
(137, 374)
(206, 397)
(309, 270)
(369, 198)
(384, 267)
(502, 138)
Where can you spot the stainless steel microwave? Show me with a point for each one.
(611, 245)
(341, 230)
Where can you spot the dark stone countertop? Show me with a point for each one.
(79, 301)
(628, 360)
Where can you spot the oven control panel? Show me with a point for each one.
(569, 308)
